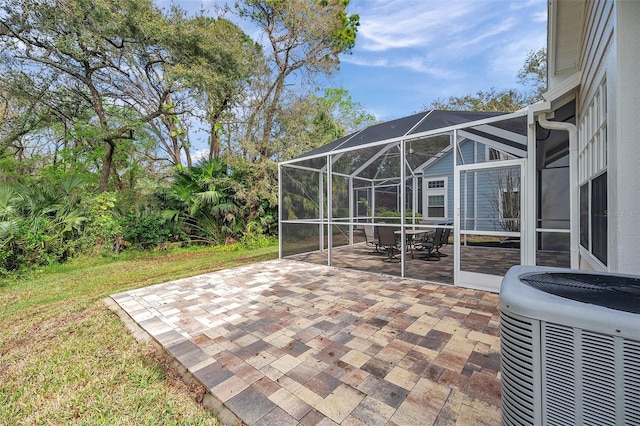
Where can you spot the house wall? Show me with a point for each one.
(596, 44)
(443, 167)
(608, 99)
(624, 154)
(472, 152)
(595, 52)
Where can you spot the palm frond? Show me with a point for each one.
(8, 228)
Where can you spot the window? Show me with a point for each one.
(436, 206)
(592, 171)
(599, 218)
(593, 217)
(435, 198)
(584, 215)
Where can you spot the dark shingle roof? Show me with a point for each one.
(416, 124)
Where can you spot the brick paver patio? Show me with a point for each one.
(287, 342)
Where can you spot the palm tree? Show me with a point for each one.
(9, 225)
(200, 201)
(38, 221)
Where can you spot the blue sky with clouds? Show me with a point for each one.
(410, 52)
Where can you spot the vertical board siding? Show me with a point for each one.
(596, 41)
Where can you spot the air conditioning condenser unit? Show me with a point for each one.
(570, 347)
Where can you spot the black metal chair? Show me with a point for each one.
(387, 240)
(445, 240)
(432, 244)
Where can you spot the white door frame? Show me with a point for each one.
(474, 279)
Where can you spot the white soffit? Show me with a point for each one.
(567, 31)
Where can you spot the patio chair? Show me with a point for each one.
(432, 245)
(387, 240)
(371, 238)
(445, 240)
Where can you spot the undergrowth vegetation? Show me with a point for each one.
(45, 221)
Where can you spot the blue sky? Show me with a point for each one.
(410, 52)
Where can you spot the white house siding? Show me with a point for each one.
(595, 50)
(609, 59)
(624, 154)
(596, 44)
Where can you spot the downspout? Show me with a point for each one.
(574, 212)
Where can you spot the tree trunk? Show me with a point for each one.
(263, 149)
(214, 142)
(107, 162)
(215, 115)
(175, 143)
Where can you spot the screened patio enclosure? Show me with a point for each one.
(476, 175)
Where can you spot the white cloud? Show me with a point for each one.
(411, 63)
(388, 25)
(483, 38)
(443, 39)
(520, 4)
(540, 16)
(511, 56)
(199, 155)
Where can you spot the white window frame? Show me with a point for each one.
(587, 251)
(428, 192)
(592, 159)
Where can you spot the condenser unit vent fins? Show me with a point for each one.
(631, 351)
(599, 379)
(516, 345)
(559, 371)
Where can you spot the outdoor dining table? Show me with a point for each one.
(412, 235)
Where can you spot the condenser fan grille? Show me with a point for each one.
(614, 292)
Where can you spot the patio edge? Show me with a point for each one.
(209, 401)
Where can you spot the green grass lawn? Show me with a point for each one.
(67, 359)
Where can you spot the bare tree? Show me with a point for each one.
(504, 198)
(304, 37)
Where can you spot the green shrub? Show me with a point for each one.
(104, 230)
(146, 230)
(254, 236)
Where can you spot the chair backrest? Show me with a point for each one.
(386, 236)
(369, 233)
(437, 236)
(445, 236)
